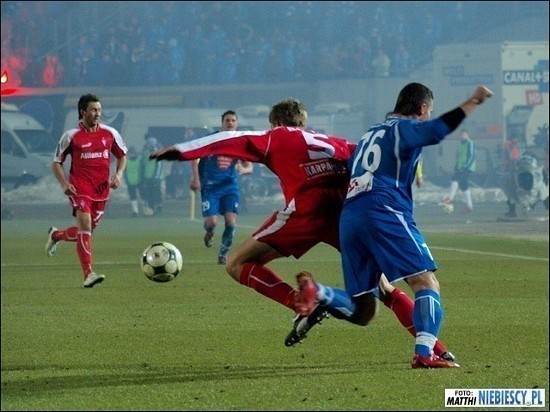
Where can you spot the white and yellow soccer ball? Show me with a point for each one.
(448, 208)
(161, 262)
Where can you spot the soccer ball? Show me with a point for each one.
(448, 208)
(161, 262)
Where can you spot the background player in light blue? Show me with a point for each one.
(217, 178)
(378, 233)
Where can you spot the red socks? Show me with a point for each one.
(69, 235)
(83, 245)
(263, 280)
(84, 251)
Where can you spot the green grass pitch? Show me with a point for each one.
(204, 342)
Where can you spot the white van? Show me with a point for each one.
(34, 136)
(27, 149)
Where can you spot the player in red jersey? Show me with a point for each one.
(88, 186)
(313, 173)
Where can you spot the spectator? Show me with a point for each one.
(121, 65)
(401, 64)
(288, 60)
(179, 177)
(155, 70)
(381, 63)
(464, 166)
(430, 31)
(305, 61)
(362, 57)
(92, 73)
(175, 62)
(132, 177)
(13, 63)
(107, 70)
(401, 26)
(138, 64)
(53, 71)
(525, 184)
(322, 22)
(78, 66)
(510, 154)
(175, 181)
(153, 174)
(112, 46)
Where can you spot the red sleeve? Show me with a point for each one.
(250, 146)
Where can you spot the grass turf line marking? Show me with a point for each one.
(195, 262)
(477, 252)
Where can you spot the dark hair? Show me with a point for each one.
(84, 101)
(411, 97)
(288, 112)
(229, 112)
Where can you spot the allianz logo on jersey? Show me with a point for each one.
(94, 155)
(360, 184)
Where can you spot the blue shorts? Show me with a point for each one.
(377, 237)
(217, 202)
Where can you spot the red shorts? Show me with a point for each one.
(295, 230)
(96, 208)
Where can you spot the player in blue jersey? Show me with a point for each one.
(217, 178)
(314, 180)
(378, 233)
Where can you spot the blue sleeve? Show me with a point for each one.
(414, 134)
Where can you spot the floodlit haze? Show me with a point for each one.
(346, 60)
(211, 42)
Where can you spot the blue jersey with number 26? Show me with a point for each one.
(378, 233)
(387, 155)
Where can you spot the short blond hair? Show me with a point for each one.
(288, 112)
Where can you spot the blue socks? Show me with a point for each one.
(208, 229)
(427, 318)
(427, 314)
(227, 240)
(336, 300)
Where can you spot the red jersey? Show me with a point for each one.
(90, 153)
(313, 174)
(301, 159)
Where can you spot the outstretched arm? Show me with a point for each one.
(480, 94)
(165, 153)
(456, 116)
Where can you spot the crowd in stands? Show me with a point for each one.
(162, 43)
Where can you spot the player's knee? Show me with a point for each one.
(425, 280)
(385, 287)
(233, 268)
(363, 318)
(210, 221)
(366, 310)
